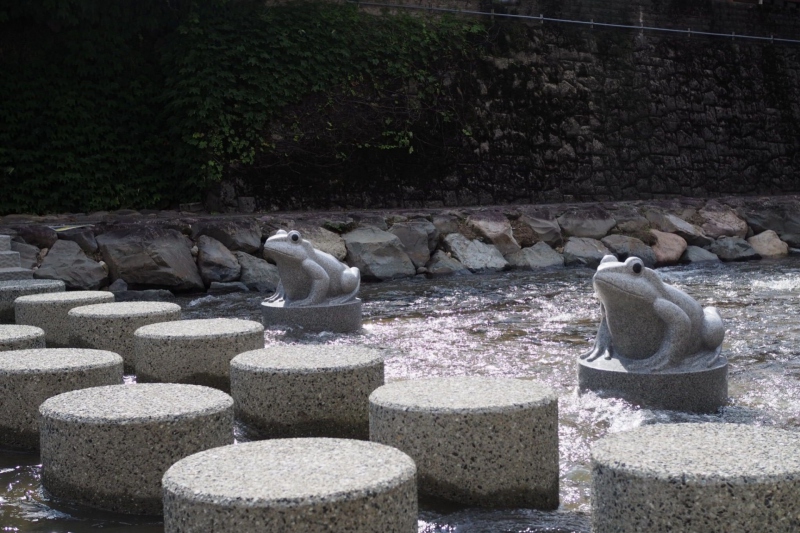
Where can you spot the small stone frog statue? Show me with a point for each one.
(649, 326)
(309, 276)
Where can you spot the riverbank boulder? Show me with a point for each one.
(41, 236)
(542, 228)
(584, 251)
(540, 255)
(668, 247)
(235, 234)
(257, 274)
(324, 240)
(67, 262)
(695, 254)
(378, 254)
(442, 264)
(669, 223)
(768, 244)
(151, 257)
(474, 254)
(28, 254)
(84, 237)
(215, 262)
(495, 228)
(415, 241)
(733, 249)
(625, 247)
(722, 221)
(591, 222)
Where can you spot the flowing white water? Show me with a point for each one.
(522, 324)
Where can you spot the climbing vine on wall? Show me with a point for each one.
(144, 104)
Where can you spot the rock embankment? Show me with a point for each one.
(158, 251)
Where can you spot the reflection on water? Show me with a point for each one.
(522, 324)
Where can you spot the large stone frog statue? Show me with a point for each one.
(649, 326)
(309, 276)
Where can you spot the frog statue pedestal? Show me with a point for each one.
(656, 346)
(317, 292)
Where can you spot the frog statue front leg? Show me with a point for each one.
(602, 342)
(676, 341)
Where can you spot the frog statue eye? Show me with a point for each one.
(294, 236)
(637, 268)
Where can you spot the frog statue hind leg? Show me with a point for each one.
(676, 342)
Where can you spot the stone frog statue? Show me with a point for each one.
(309, 276)
(651, 326)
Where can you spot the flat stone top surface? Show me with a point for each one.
(140, 403)
(16, 332)
(289, 472)
(469, 394)
(17, 284)
(37, 360)
(124, 309)
(199, 328)
(309, 357)
(59, 297)
(730, 453)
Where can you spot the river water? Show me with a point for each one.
(521, 324)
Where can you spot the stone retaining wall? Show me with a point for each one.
(156, 252)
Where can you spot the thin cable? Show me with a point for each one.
(592, 23)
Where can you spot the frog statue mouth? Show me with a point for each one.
(605, 287)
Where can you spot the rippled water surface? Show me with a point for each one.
(521, 324)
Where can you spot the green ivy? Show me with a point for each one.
(144, 104)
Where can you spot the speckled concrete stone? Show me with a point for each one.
(11, 290)
(50, 312)
(491, 442)
(697, 478)
(194, 351)
(13, 337)
(29, 377)
(338, 318)
(306, 390)
(111, 326)
(293, 485)
(108, 447)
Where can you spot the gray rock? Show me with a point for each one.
(325, 241)
(772, 214)
(433, 233)
(67, 262)
(28, 254)
(584, 252)
(624, 247)
(733, 249)
(695, 254)
(118, 286)
(591, 222)
(669, 223)
(630, 221)
(83, 236)
(722, 221)
(215, 262)
(40, 236)
(445, 224)
(218, 287)
(540, 255)
(236, 234)
(543, 228)
(442, 264)
(378, 254)
(367, 220)
(257, 274)
(495, 227)
(474, 254)
(415, 241)
(768, 244)
(151, 257)
(149, 295)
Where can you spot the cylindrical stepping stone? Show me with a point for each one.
(29, 377)
(108, 447)
(306, 390)
(697, 478)
(491, 442)
(11, 290)
(111, 326)
(13, 337)
(194, 351)
(297, 485)
(50, 312)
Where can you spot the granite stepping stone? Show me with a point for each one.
(108, 447)
(13, 337)
(297, 485)
(490, 442)
(11, 290)
(29, 377)
(306, 390)
(49, 311)
(194, 351)
(697, 478)
(111, 326)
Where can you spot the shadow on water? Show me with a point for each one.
(521, 324)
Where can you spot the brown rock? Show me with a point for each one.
(768, 244)
(668, 247)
